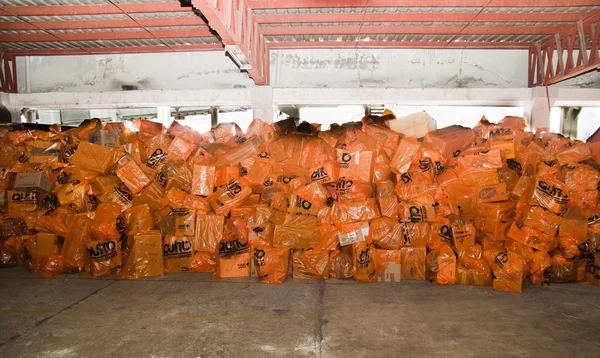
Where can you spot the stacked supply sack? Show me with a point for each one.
(488, 206)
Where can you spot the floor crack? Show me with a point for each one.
(320, 319)
(73, 304)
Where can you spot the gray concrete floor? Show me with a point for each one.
(194, 315)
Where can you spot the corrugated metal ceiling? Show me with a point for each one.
(415, 9)
(497, 24)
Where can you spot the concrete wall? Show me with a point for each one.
(399, 68)
(95, 73)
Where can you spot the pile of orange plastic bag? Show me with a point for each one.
(488, 206)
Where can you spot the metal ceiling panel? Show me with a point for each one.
(437, 9)
(405, 38)
(108, 43)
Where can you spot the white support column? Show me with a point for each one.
(262, 103)
(537, 110)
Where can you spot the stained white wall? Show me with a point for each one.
(399, 68)
(98, 73)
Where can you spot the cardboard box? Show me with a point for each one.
(33, 181)
(148, 254)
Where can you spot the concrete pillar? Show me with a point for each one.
(537, 110)
(262, 103)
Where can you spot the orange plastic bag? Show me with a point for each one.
(93, 157)
(203, 181)
(411, 185)
(341, 264)
(540, 268)
(179, 199)
(441, 265)
(310, 264)
(369, 264)
(416, 234)
(419, 209)
(540, 219)
(463, 232)
(271, 263)
(132, 175)
(234, 251)
(109, 224)
(357, 165)
(450, 141)
(404, 155)
(413, 263)
(509, 269)
(295, 238)
(531, 237)
(52, 265)
(325, 173)
(103, 258)
(387, 233)
(230, 195)
(475, 272)
(550, 194)
(349, 190)
(180, 148)
(574, 154)
(75, 243)
(393, 265)
(204, 261)
(348, 212)
(209, 232)
(146, 258)
(178, 253)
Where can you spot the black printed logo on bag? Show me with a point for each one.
(406, 178)
(417, 213)
(425, 164)
(320, 175)
(232, 189)
(514, 165)
(346, 158)
(157, 157)
(27, 197)
(343, 186)
(364, 258)
(259, 257)
(178, 249)
(103, 251)
(232, 248)
(121, 229)
(558, 195)
(487, 193)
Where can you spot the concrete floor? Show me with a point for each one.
(193, 315)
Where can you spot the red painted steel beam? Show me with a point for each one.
(97, 36)
(282, 4)
(420, 17)
(233, 22)
(378, 30)
(62, 10)
(581, 57)
(109, 50)
(8, 73)
(398, 44)
(102, 24)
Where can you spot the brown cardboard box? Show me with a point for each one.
(33, 181)
(45, 152)
(148, 254)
